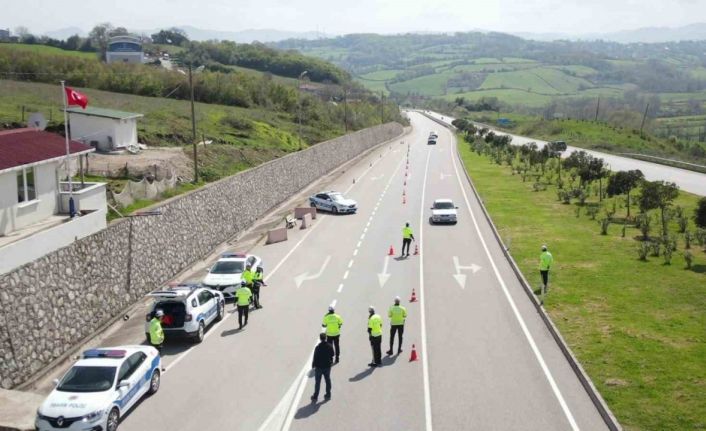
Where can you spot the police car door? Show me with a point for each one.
(209, 306)
(132, 372)
(321, 201)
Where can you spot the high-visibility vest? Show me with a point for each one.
(156, 332)
(545, 261)
(407, 232)
(397, 314)
(242, 295)
(375, 325)
(257, 276)
(247, 276)
(333, 322)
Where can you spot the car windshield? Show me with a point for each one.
(228, 267)
(337, 197)
(87, 379)
(443, 205)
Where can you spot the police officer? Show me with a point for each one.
(333, 322)
(258, 280)
(156, 331)
(243, 295)
(248, 275)
(545, 262)
(375, 336)
(407, 237)
(397, 315)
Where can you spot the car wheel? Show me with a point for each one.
(154, 382)
(113, 420)
(221, 309)
(200, 333)
(334, 209)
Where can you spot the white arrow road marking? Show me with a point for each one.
(443, 175)
(377, 177)
(301, 278)
(382, 278)
(461, 278)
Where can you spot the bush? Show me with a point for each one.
(605, 222)
(688, 237)
(701, 237)
(670, 245)
(700, 213)
(683, 223)
(592, 211)
(566, 197)
(688, 258)
(655, 247)
(643, 250)
(644, 223)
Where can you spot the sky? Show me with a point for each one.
(342, 17)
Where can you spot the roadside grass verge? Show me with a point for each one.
(637, 327)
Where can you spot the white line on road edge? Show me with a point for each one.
(425, 351)
(340, 288)
(518, 316)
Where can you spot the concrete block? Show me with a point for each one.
(18, 410)
(306, 221)
(277, 235)
(300, 211)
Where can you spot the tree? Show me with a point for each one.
(700, 213)
(172, 36)
(623, 182)
(118, 31)
(658, 194)
(21, 32)
(99, 36)
(73, 43)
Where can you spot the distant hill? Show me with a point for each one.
(65, 33)
(641, 35)
(249, 35)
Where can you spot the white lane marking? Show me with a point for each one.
(340, 288)
(213, 328)
(355, 252)
(350, 263)
(515, 311)
(365, 230)
(425, 351)
(345, 275)
(359, 243)
(362, 237)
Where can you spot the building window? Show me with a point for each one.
(25, 185)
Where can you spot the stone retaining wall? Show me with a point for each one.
(49, 305)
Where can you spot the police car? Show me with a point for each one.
(188, 310)
(225, 275)
(334, 202)
(100, 388)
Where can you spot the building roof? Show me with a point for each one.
(105, 113)
(20, 147)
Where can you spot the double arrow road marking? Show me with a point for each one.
(460, 277)
(301, 278)
(382, 278)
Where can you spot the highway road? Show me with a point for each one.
(690, 181)
(486, 359)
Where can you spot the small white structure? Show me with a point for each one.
(125, 49)
(103, 129)
(34, 209)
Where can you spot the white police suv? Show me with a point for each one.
(334, 202)
(188, 310)
(100, 388)
(225, 274)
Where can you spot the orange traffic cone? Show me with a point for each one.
(391, 252)
(414, 296)
(405, 173)
(405, 182)
(413, 356)
(404, 200)
(416, 250)
(403, 193)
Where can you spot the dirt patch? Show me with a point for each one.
(616, 382)
(158, 162)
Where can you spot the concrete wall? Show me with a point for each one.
(15, 216)
(49, 305)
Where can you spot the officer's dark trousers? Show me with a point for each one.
(406, 243)
(376, 344)
(256, 296)
(318, 372)
(399, 329)
(243, 313)
(333, 340)
(545, 277)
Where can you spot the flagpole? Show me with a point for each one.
(72, 207)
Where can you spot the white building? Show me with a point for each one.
(34, 212)
(125, 49)
(103, 129)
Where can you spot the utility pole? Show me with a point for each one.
(644, 117)
(598, 106)
(193, 127)
(345, 108)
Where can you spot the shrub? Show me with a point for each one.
(566, 197)
(644, 221)
(537, 187)
(688, 237)
(700, 213)
(688, 258)
(655, 247)
(605, 222)
(643, 250)
(578, 212)
(592, 211)
(622, 233)
(670, 245)
(683, 223)
(701, 237)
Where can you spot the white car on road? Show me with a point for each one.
(444, 211)
(334, 202)
(225, 275)
(188, 310)
(100, 388)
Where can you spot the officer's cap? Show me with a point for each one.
(397, 299)
(159, 313)
(371, 309)
(330, 308)
(544, 247)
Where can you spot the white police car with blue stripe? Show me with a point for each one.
(100, 388)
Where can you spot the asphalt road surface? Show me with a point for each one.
(689, 181)
(487, 362)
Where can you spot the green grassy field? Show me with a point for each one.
(636, 327)
(43, 49)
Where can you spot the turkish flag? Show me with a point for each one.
(73, 97)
